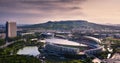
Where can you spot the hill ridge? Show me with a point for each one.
(71, 24)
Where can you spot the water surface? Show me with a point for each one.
(29, 50)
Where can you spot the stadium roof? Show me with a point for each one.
(63, 42)
(93, 38)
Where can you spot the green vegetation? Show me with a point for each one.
(68, 61)
(114, 44)
(13, 48)
(87, 60)
(102, 55)
(8, 54)
(2, 42)
(29, 36)
(18, 59)
(13, 39)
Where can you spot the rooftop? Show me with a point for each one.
(63, 42)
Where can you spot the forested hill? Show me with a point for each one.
(69, 25)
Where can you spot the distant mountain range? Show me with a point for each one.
(71, 24)
(3, 25)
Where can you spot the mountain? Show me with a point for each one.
(70, 24)
(112, 24)
(19, 25)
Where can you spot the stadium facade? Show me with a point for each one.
(92, 43)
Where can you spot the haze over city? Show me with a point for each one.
(39, 11)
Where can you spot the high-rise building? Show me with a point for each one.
(11, 29)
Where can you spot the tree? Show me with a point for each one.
(2, 42)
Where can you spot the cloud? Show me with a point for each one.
(20, 9)
(38, 7)
(40, 4)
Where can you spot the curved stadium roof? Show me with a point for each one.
(63, 42)
(93, 38)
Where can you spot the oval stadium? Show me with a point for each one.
(86, 45)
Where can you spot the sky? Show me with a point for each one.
(40, 11)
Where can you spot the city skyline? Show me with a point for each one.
(40, 11)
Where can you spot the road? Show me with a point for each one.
(5, 45)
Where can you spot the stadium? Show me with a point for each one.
(86, 45)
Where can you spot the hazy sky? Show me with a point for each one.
(39, 11)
